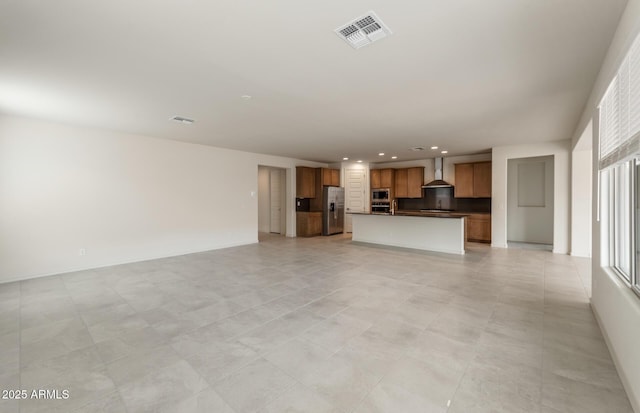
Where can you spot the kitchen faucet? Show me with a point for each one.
(394, 205)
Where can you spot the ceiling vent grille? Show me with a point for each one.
(363, 30)
(181, 119)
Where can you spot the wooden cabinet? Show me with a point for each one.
(415, 181)
(305, 182)
(335, 177)
(383, 178)
(473, 180)
(408, 182)
(387, 178)
(482, 179)
(309, 181)
(375, 178)
(479, 228)
(308, 224)
(329, 177)
(401, 183)
(464, 180)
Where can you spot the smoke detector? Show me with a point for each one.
(363, 30)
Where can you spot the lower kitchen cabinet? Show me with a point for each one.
(479, 228)
(308, 224)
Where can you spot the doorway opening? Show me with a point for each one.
(271, 202)
(530, 201)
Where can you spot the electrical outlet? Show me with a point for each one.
(82, 252)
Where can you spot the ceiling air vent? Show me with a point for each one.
(181, 119)
(363, 30)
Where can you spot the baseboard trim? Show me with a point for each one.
(114, 263)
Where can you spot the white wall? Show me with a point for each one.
(616, 307)
(561, 182)
(581, 181)
(529, 223)
(120, 197)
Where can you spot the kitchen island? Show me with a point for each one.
(440, 232)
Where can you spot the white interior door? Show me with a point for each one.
(355, 194)
(275, 195)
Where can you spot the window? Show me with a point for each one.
(620, 220)
(619, 201)
(636, 218)
(619, 135)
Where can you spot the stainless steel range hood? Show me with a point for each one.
(438, 182)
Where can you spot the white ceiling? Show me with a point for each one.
(465, 75)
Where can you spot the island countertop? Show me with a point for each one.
(430, 231)
(417, 213)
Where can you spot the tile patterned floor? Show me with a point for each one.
(311, 325)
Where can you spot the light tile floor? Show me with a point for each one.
(311, 325)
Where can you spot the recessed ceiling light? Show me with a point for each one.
(381, 154)
(444, 152)
(181, 119)
(434, 147)
(360, 161)
(246, 97)
(394, 157)
(345, 159)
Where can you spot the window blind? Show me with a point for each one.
(620, 112)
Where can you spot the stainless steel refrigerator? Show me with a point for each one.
(332, 210)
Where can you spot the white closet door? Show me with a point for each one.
(355, 180)
(275, 190)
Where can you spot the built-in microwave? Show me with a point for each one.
(380, 195)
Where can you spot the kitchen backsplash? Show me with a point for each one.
(442, 198)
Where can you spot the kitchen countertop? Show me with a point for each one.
(418, 213)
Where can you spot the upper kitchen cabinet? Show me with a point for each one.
(375, 178)
(401, 183)
(383, 178)
(330, 177)
(482, 179)
(305, 182)
(473, 180)
(415, 181)
(335, 177)
(387, 177)
(408, 182)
